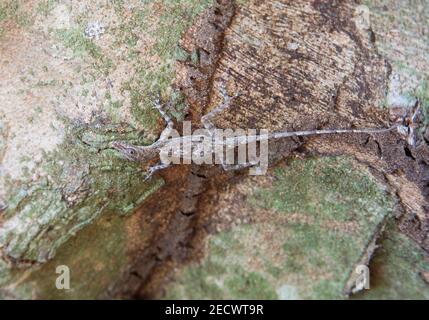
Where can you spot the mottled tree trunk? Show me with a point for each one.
(297, 65)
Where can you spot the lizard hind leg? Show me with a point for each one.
(233, 167)
(256, 167)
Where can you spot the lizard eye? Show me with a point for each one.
(132, 152)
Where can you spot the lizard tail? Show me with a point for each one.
(278, 135)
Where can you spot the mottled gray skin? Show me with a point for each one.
(146, 154)
(404, 123)
(136, 153)
(189, 147)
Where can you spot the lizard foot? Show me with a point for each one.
(152, 170)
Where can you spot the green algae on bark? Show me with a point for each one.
(326, 188)
(401, 31)
(397, 269)
(149, 77)
(95, 259)
(11, 10)
(83, 180)
(339, 205)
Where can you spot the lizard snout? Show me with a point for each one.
(126, 150)
(120, 146)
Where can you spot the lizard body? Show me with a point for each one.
(189, 147)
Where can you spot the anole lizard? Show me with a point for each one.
(197, 143)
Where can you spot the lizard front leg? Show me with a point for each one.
(152, 170)
(147, 154)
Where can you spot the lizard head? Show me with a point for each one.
(130, 152)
